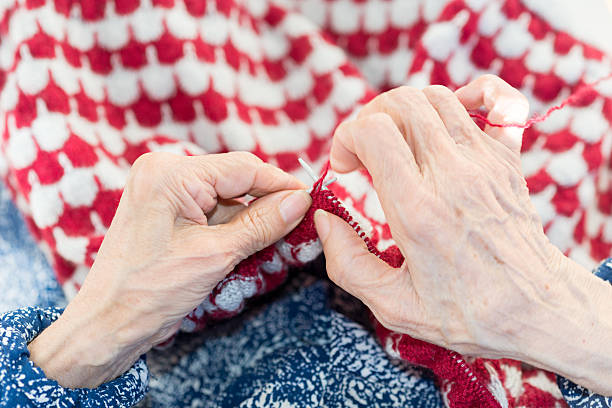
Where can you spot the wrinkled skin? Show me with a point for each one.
(480, 276)
(177, 232)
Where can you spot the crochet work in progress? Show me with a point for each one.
(86, 87)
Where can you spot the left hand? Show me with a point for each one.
(480, 276)
(177, 233)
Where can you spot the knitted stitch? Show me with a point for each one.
(86, 87)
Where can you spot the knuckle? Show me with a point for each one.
(377, 104)
(493, 81)
(375, 120)
(440, 95)
(438, 91)
(335, 264)
(344, 127)
(152, 162)
(404, 95)
(244, 157)
(387, 102)
(241, 246)
(490, 78)
(458, 130)
(403, 90)
(145, 162)
(149, 171)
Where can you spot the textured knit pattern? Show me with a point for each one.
(88, 86)
(22, 384)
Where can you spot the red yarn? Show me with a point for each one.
(318, 185)
(573, 98)
(468, 389)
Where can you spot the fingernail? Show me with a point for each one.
(322, 223)
(294, 206)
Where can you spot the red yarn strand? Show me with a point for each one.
(540, 118)
(446, 364)
(319, 184)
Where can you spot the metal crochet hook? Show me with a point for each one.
(313, 175)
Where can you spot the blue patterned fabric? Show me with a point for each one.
(575, 395)
(604, 270)
(22, 384)
(297, 351)
(579, 397)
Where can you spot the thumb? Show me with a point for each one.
(264, 221)
(349, 263)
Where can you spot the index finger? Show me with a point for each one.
(375, 142)
(235, 174)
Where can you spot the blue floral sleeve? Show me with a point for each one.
(575, 395)
(23, 384)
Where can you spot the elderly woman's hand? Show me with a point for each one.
(480, 276)
(177, 233)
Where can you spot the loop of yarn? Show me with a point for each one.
(574, 97)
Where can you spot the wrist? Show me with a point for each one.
(86, 346)
(571, 329)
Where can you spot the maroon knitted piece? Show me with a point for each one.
(468, 387)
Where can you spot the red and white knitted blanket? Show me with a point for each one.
(86, 86)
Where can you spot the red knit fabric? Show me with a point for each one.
(87, 87)
(466, 387)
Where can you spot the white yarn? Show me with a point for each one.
(568, 168)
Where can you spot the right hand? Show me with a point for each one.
(480, 276)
